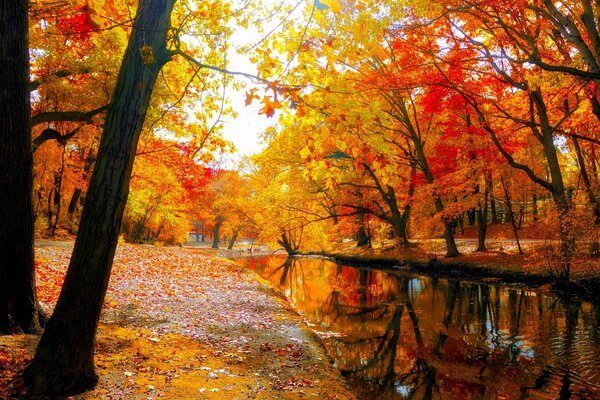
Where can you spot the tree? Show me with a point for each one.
(64, 362)
(18, 303)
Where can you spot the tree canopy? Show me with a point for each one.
(391, 120)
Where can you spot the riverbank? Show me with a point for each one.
(536, 267)
(178, 324)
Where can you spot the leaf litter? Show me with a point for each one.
(180, 324)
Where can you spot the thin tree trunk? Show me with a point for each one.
(18, 301)
(592, 199)
(482, 217)
(494, 209)
(89, 161)
(451, 248)
(64, 359)
(58, 178)
(510, 212)
(362, 239)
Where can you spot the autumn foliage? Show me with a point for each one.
(399, 125)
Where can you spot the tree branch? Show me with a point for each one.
(53, 134)
(71, 116)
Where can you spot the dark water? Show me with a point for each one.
(405, 336)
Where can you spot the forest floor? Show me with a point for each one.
(180, 324)
(184, 323)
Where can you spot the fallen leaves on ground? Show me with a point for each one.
(178, 324)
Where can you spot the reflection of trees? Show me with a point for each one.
(292, 277)
(425, 339)
(421, 377)
(483, 348)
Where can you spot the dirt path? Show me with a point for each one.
(178, 324)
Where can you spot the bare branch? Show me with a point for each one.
(70, 116)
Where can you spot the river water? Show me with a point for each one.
(399, 335)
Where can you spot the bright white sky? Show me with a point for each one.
(244, 130)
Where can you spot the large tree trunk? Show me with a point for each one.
(18, 303)
(451, 248)
(397, 220)
(288, 244)
(64, 360)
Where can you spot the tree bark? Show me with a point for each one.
(451, 248)
(594, 202)
(63, 363)
(397, 220)
(234, 237)
(89, 161)
(510, 215)
(482, 217)
(362, 238)
(18, 302)
(494, 210)
(216, 233)
(286, 243)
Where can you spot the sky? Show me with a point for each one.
(244, 130)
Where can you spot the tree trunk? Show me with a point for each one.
(64, 360)
(534, 205)
(510, 215)
(287, 245)
(399, 220)
(451, 248)
(216, 233)
(362, 239)
(234, 237)
(494, 210)
(18, 302)
(396, 219)
(482, 217)
(58, 178)
(471, 216)
(594, 202)
(89, 161)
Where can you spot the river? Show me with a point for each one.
(400, 335)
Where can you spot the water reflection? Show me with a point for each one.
(404, 336)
